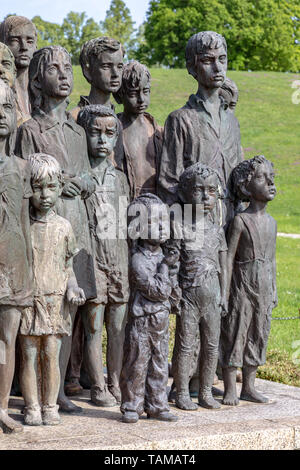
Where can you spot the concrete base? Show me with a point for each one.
(275, 425)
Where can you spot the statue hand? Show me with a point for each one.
(75, 296)
(72, 188)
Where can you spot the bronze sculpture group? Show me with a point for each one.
(86, 236)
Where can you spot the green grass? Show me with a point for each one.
(270, 124)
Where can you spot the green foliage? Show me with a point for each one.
(261, 34)
(77, 30)
(49, 33)
(74, 31)
(119, 25)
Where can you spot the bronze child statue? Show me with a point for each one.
(101, 61)
(230, 93)
(110, 256)
(55, 286)
(202, 278)
(251, 280)
(15, 249)
(144, 375)
(202, 130)
(53, 130)
(20, 35)
(142, 137)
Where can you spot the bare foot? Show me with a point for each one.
(253, 395)
(8, 425)
(230, 399)
(184, 402)
(66, 405)
(208, 401)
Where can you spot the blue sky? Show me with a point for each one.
(56, 10)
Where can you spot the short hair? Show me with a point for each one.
(198, 169)
(4, 47)
(94, 48)
(36, 68)
(95, 110)
(242, 174)
(12, 21)
(198, 44)
(132, 75)
(10, 146)
(229, 89)
(43, 165)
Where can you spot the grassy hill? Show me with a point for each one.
(270, 124)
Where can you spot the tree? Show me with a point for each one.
(119, 25)
(261, 34)
(77, 30)
(49, 33)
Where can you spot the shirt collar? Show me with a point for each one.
(46, 122)
(196, 102)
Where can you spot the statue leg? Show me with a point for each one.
(9, 325)
(93, 317)
(115, 321)
(188, 327)
(63, 401)
(210, 326)
(72, 385)
(248, 391)
(30, 378)
(230, 395)
(51, 345)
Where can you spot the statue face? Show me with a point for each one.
(262, 187)
(7, 118)
(45, 193)
(211, 68)
(22, 42)
(136, 100)
(202, 191)
(101, 136)
(57, 80)
(7, 70)
(106, 71)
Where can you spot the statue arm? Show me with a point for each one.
(154, 286)
(234, 234)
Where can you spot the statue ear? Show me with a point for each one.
(244, 190)
(87, 73)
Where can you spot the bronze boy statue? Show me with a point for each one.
(52, 130)
(55, 286)
(101, 61)
(142, 137)
(110, 256)
(202, 130)
(202, 278)
(252, 280)
(15, 249)
(144, 374)
(19, 33)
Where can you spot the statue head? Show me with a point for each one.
(50, 74)
(102, 128)
(206, 58)
(200, 184)
(20, 35)
(101, 60)
(230, 93)
(46, 182)
(8, 71)
(253, 179)
(8, 118)
(135, 89)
